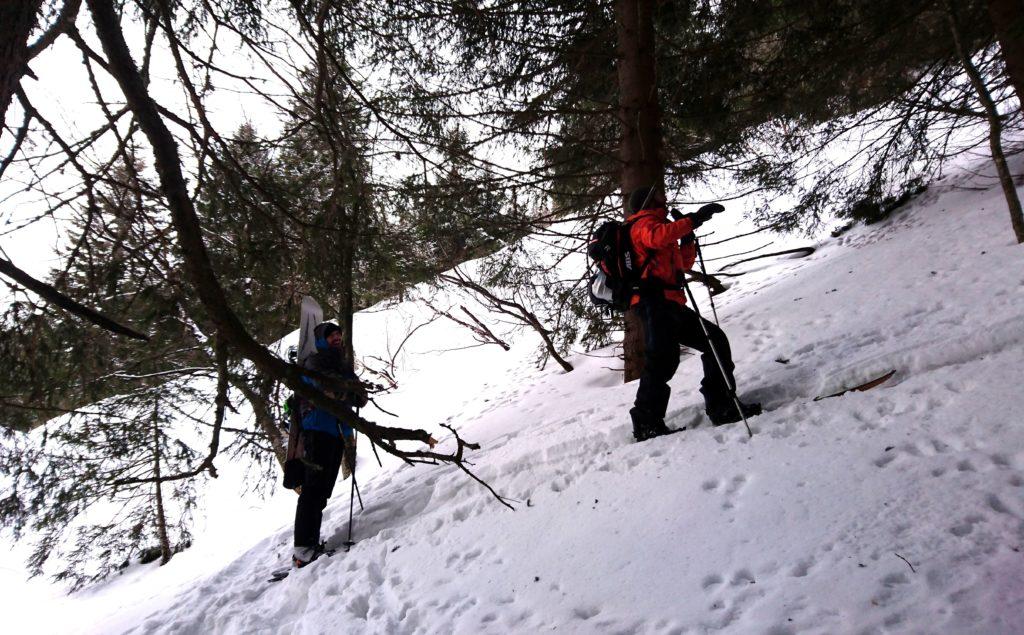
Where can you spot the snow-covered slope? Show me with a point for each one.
(900, 509)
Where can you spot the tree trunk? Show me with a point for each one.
(639, 115)
(1008, 22)
(161, 518)
(995, 129)
(17, 19)
(347, 293)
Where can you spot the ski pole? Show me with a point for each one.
(351, 504)
(700, 256)
(714, 351)
(352, 467)
(352, 494)
(711, 296)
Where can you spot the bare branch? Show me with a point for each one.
(53, 296)
(802, 251)
(64, 21)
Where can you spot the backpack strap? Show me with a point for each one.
(639, 284)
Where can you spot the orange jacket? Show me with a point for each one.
(655, 238)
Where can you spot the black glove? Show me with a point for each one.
(704, 214)
(358, 397)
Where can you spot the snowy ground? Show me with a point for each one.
(900, 509)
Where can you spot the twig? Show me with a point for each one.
(482, 335)
(462, 465)
(378, 407)
(803, 251)
(742, 253)
(483, 327)
(756, 231)
(912, 569)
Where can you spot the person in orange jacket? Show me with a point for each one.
(664, 252)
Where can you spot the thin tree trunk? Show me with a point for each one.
(640, 148)
(347, 303)
(995, 128)
(1008, 22)
(17, 19)
(161, 519)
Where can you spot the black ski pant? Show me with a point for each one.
(667, 326)
(322, 460)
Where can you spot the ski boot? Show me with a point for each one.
(724, 413)
(647, 427)
(303, 556)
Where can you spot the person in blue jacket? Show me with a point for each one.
(324, 439)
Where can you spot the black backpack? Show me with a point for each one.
(617, 277)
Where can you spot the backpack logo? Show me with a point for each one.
(615, 280)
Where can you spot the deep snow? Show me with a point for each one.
(900, 509)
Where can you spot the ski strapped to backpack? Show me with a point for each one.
(617, 278)
(295, 463)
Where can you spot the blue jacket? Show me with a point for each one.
(329, 362)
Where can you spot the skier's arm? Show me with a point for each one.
(311, 364)
(652, 234)
(356, 396)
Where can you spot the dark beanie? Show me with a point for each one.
(641, 198)
(324, 329)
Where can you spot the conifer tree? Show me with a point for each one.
(92, 489)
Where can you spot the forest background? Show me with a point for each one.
(391, 142)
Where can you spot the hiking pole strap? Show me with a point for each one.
(714, 351)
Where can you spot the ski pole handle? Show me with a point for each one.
(704, 213)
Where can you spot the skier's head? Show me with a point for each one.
(328, 334)
(650, 197)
